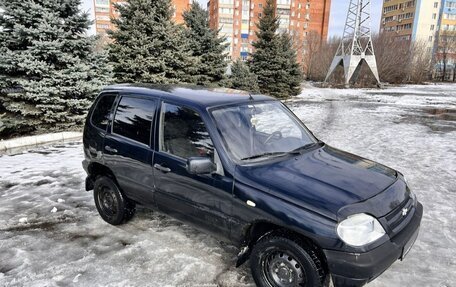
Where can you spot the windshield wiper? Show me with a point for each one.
(275, 154)
(304, 147)
(266, 154)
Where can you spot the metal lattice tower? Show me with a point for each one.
(356, 46)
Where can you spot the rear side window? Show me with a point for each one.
(100, 115)
(134, 117)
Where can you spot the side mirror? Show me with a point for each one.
(200, 165)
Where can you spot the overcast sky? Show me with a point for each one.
(339, 10)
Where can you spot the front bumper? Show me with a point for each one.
(357, 269)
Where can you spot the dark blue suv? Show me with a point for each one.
(246, 169)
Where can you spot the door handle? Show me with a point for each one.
(110, 149)
(162, 168)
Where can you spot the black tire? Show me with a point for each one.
(111, 204)
(280, 260)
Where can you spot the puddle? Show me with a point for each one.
(437, 119)
(41, 226)
(5, 269)
(442, 114)
(401, 94)
(83, 237)
(5, 185)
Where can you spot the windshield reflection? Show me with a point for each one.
(260, 131)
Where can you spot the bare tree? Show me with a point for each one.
(419, 66)
(400, 61)
(317, 56)
(446, 53)
(392, 56)
(311, 48)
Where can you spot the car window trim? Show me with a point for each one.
(161, 122)
(114, 104)
(235, 104)
(138, 96)
(299, 122)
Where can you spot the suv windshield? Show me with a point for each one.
(262, 130)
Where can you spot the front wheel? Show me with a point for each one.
(111, 204)
(283, 261)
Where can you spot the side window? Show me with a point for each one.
(100, 115)
(134, 118)
(183, 133)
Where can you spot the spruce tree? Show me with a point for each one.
(242, 79)
(295, 76)
(148, 46)
(274, 59)
(206, 45)
(49, 73)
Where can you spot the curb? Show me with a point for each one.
(30, 141)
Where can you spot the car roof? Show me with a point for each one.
(190, 95)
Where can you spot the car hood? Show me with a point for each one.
(323, 179)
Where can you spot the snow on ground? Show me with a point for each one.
(412, 129)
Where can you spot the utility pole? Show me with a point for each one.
(356, 47)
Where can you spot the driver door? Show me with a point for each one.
(204, 200)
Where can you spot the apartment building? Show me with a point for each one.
(236, 21)
(412, 20)
(179, 7)
(429, 21)
(448, 16)
(104, 10)
(426, 22)
(445, 48)
(398, 17)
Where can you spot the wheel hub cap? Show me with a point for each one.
(284, 270)
(284, 274)
(108, 201)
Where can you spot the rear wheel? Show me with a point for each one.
(284, 261)
(111, 204)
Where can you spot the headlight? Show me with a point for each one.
(412, 196)
(360, 229)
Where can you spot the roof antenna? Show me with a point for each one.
(250, 97)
